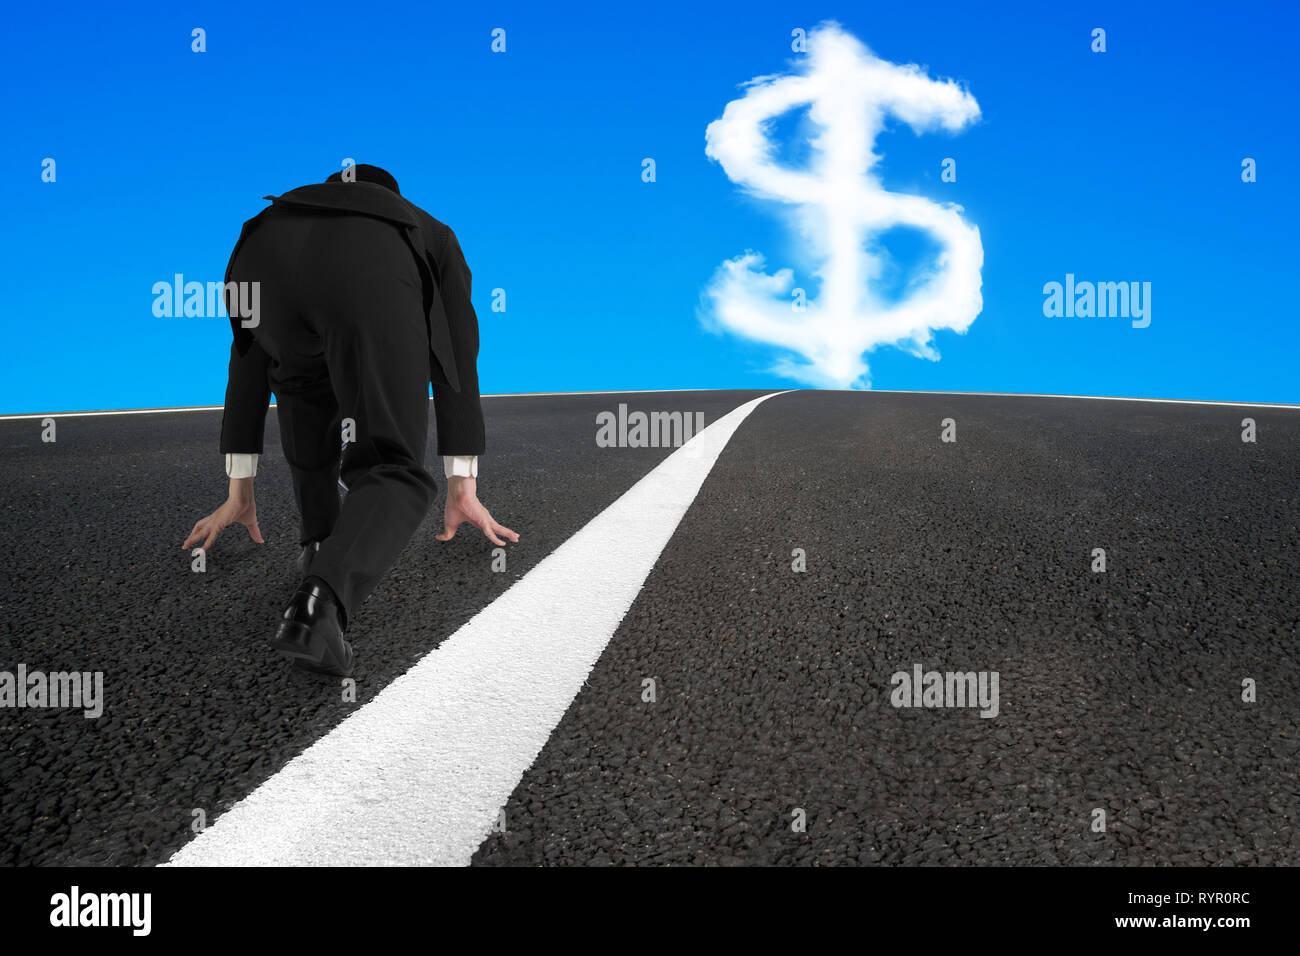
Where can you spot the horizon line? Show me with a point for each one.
(17, 416)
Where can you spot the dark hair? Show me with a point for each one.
(369, 174)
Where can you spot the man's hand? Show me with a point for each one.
(463, 505)
(240, 507)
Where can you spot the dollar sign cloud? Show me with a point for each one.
(838, 204)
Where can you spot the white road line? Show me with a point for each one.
(418, 774)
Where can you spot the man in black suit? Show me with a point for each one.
(362, 300)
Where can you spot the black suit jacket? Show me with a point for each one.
(452, 323)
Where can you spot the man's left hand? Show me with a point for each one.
(464, 507)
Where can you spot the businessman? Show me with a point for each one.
(347, 300)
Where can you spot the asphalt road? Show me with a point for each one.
(199, 709)
(1118, 691)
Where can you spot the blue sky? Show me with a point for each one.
(1122, 166)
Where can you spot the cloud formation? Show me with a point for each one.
(838, 205)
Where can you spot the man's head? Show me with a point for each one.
(369, 174)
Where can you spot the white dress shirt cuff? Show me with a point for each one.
(241, 466)
(460, 466)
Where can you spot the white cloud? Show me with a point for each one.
(838, 204)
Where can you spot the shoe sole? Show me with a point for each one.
(309, 650)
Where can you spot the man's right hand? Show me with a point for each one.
(239, 507)
(463, 506)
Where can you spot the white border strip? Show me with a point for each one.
(418, 775)
(658, 391)
(1096, 398)
(222, 408)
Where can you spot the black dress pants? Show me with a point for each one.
(342, 318)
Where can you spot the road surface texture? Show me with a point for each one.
(744, 711)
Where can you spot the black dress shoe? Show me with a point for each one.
(305, 557)
(311, 631)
